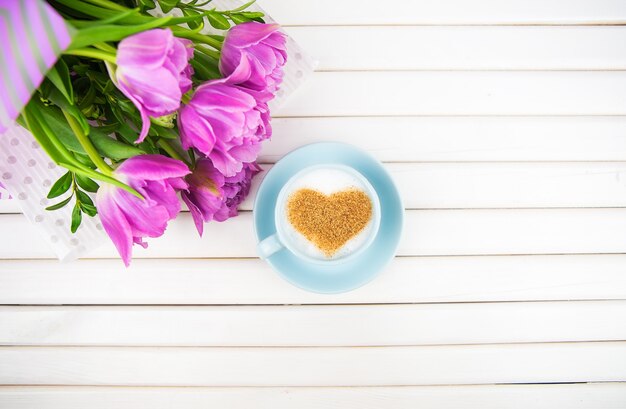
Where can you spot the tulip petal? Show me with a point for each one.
(251, 33)
(157, 90)
(210, 96)
(115, 224)
(245, 153)
(278, 41)
(242, 71)
(153, 72)
(225, 163)
(196, 215)
(153, 167)
(147, 49)
(144, 218)
(195, 131)
(163, 193)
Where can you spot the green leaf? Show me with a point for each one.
(84, 197)
(200, 72)
(77, 217)
(60, 204)
(59, 75)
(112, 148)
(80, 69)
(104, 33)
(127, 133)
(243, 7)
(86, 183)
(134, 14)
(101, 80)
(58, 99)
(87, 100)
(32, 124)
(102, 177)
(193, 24)
(168, 5)
(165, 133)
(238, 18)
(218, 21)
(60, 186)
(252, 14)
(89, 210)
(208, 64)
(105, 145)
(147, 4)
(84, 159)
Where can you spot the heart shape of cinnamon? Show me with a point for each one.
(329, 221)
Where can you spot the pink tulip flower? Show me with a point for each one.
(236, 189)
(205, 195)
(153, 71)
(127, 219)
(261, 49)
(225, 123)
(211, 196)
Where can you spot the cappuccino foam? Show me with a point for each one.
(326, 181)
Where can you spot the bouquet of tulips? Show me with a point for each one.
(141, 109)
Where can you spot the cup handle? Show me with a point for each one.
(269, 246)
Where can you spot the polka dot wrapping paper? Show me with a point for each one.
(25, 169)
(27, 172)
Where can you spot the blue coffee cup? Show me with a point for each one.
(282, 240)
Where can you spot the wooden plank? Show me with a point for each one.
(573, 396)
(230, 281)
(365, 366)
(459, 93)
(367, 12)
(491, 185)
(426, 233)
(503, 185)
(464, 47)
(271, 326)
(454, 139)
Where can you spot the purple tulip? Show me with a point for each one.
(127, 219)
(236, 189)
(204, 196)
(259, 50)
(211, 196)
(153, 71)
(225, 123)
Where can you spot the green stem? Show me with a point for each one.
(197, 37)
(92, 53)
(211, 53)
(40, 128)
(101, 177)
(105, 47)
(107, 4)
(167, 147)
(85, 142)
(61, 156)
(94, 11)
(43, 142)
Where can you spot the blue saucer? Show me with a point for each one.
(353, 273)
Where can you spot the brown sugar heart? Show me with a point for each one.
(329, 221)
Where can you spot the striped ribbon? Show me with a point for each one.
(32, 36)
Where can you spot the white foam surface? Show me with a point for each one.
(327, 181)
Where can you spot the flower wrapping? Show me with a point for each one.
(25, 170)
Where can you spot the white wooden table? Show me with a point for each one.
(504, 123)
